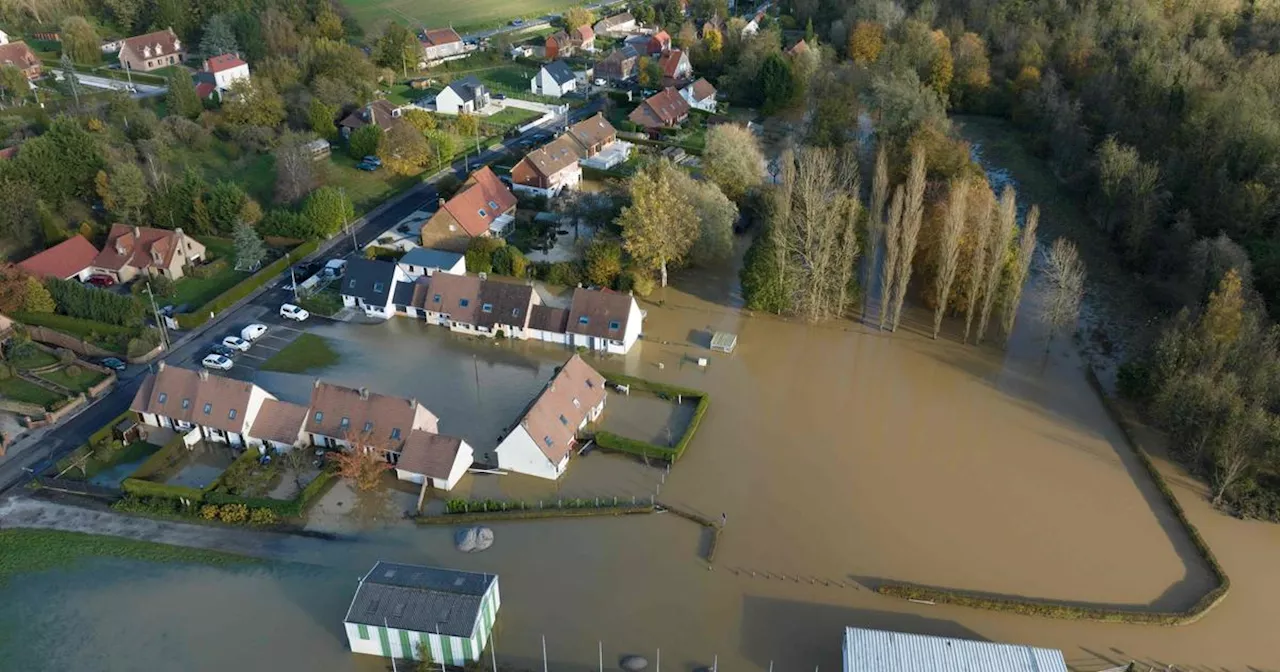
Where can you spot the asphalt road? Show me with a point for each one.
(263, 309)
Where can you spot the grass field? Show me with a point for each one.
(308, 353)
(195, 291)
(463, 16)
(18, 389)
(43, 550)
(85, 379)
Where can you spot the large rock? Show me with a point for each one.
(474, 539)
(633, 663)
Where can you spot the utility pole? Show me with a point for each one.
(346, 221)
(601, 645)
(293, 281)
(493, 651)
(544, 653)
(164, 329)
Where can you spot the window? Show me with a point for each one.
(564, 420)
(576, 403)
(208, 408)
(464, 302)
(488, 307)
(186, 403)
(231, 414)
(515, 312)
(368, 425)
(483, 213)
(363, 630)
(395, 432)
(319, 416)
(436, 298)
(493, 205)
(583, 320)
(614, 326)
(162, 398)
(351, 284)
(378, 286)
(547, 440)
(591, 383)
(345, 423)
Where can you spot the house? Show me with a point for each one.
(20, 56)
(337, 414)
(379, 112)
(604, 320)
(558, 45)
(278, 426)
(548, 324)
(152, 51)
(548, 170)
(72, 258)
(700, 95)
(439, 44)
(422, 261)
(598, 143)
(675, 67)
(206, 86)
(618, 24)
(663, 109)
(583, 38)
(553, 79)
(465, 95)
(226, 69)
(620, 65)
(484, 206)
(111, 46)
(369, 284)
(543, 439)
(505, 308)
(800, 47)
(753, 26)
(402, 611)
(222, 409)
(134, 250)
(433, 461)
(447, 300)
(659, 42)
(868, 650)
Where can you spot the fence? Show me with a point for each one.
(78, 487)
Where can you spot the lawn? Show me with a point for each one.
(193, 291)
(81, 381)
(511, 116)
(462, 16)
(109, 336)
(34, 359)
(104, 458)
(324, 303)
(308, 353)
(18, 389)
(366, 189)
(256, 173)
(42, 550)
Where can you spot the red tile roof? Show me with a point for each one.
(205, 89)
(453, 290)
(553, 418)
(134, 246)
(661, 109)
(584, 34)
(599, 307)
(18, 54)
(702, 89)
(383, 415)
(8, 152)
(438, 36)
(223, 62)
(185, 396)
(669, 61)
(62, 260)
(482, 200)
(279, 421)
(429, 454)
(162, 42)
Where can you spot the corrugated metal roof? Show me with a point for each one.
(421, 599)
(884, 651)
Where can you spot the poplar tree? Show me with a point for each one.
(949, 249)
(1021, 269)
(912, 218)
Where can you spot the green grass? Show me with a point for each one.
(35, 359)
(463, 16)
(308, 353)
(86, 379)
(511, 116)
(42, 550)
(103, 459)
(255, 173)
(325, 303)
(365, 189)
(195, 291)
(18, 389)
(109, 336)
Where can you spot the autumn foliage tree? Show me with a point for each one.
(661, 225)
(362, 462)
(866, 41)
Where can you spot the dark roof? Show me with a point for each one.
(429, 454)
(559, 71)
(508, 304)
(599, 308)
(546, 318)
(380, 112)
(369, 279)
(403, 295)
(430, 258)
(467, 88)
(420, 599)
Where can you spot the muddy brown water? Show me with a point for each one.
(839, 455)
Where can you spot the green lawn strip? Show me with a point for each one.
(18, 389)
(511, 116)
(324, 303)
(34, 359)
(462, 16)
(86, 379)
(42, 550)
(109, 336)
(308, 352)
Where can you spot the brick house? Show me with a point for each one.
(141, 250)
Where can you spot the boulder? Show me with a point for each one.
(474, 539)
(633, 663)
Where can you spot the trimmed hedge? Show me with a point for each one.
(1051, 609)
(159, 459)
(611, 441)
(140, 488)
(245, 287)
(285, 508)
(534, 514)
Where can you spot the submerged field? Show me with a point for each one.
(461, 16)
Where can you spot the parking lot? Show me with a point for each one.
(280, 333)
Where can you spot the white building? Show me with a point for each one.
(4, 37)
(400, 611)
(465, 95)
(370, 285)
(884, 651)
(278, 426)
(337, 415)
(182, 399)
(700, 95)
(426, 261)
(604, 320)
(226, 69)
(543, 439)
(553, 79)
(433, 460)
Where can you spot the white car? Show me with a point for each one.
(293, 312)
(236, 343)
(217, 362)
(253, 332)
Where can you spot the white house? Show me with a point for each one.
(337, 414)
(433, 460)
(548, 324)
(553, 79)
(399, 610)
(226, 69)
(604, 320)
(465, 95)
(370, 285)
(700, 95)
(4, 37)
(278, 426)
(868, 650)
(542, 441)
(181, 399)
(426, 261)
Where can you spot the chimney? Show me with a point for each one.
(316, 384)
(364, 394)
(204, 374)
(179, 231)
(160, 366)
(441, 202)
(137, 233)
(413, 402)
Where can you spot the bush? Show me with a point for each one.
(564, 273)
(263, 517)
(209, 512)
(1134, 380)
(202, 271)
(641, 282)
(233, 513)
(610, 441)
(364, 141)
(149, 505)
(480, 253)
(90, 303)
(141, 488)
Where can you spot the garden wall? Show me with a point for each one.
(61, 340)
(611, 441)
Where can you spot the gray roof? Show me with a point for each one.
(403, 295)
(884, 651)
(559, 71)
(467, 88)
(430, 258)
(420, 599)
(369, 279)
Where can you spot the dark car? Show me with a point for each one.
(366, 166)
(220, 349)
(101, 280)
(112, 363)
(372, 159)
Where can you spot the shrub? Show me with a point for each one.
(202, 271)
(233, 513)
(642, 282)
(564, 273)
(209, 512)
(74, 370)
(91, 303)
(141, 488)
(263, 517)
(480, 253)
(66, 356)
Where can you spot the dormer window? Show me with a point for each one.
(319, 417)
(464, 302)
(162, 398)
(614, 325)
(493, 205)
(483, 213)
(435, 299)
(547, 440)
(345, 423)
(208, 408)
(488, 308)
(368, 425)
(564, 421)
(378, 287)
(231, 414)
(583, 320)
(186, 403)
(576, 403)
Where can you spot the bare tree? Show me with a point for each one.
(1247, 429)
(982, 225)
(997, 256)
(295, 169)
(892, 239)
(1021, 268)
(912, 218)
(949, 249)
(1064, 286)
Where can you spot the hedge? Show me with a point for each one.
(159, 459)
(1051, 609)
(285, 508)
(245, 287)
(534, 514)
(140, 488)
(611, 441)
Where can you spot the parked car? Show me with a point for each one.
(100, 280)
(366, 166)
(112, 363)
(236, 343)
(218, 362)
(372, 159)
(220, 349)
(336, 268)
(499, 96)
(292, 312)
(517, 22)
(253, 332)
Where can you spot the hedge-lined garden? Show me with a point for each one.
(245, 287)
(1052, 609)
(461, 510)
(611, 441)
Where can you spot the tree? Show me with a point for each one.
(444, 146)
(125, 193)
(687, 38)
(466, 125)
(125, 12)
(70, 82)
(295, 169)
(574, 17)
(764, 287)
(36, 298)
(182, 98)
(249, 248)
(998, 256)
(320, 117)
(404, 149)
(949, 249)
(18, 210)
(732, 160)
(909, 231)
(941, 66)
(660, 225)
(278, 33)
(866, 41)
(892, 243)
(328, 210)
(1064, 286)
(225, 203)
(13, 289)
(982, 225)
(716, 215)
(62, 163)
(253, 103)
(365, 141)
(14, 82)
(397, 48)
(1021, 270)
(80, 41)
(219, 37)
(648, 72)
(713, 42)
(777, 84)
(604, 262)
(362, 462)
(420, 119)
(875, 218)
